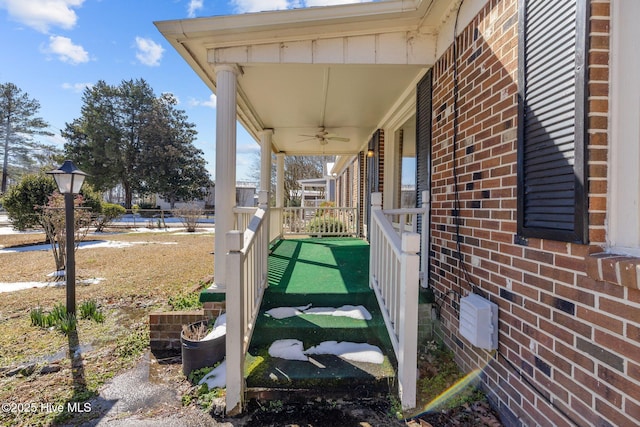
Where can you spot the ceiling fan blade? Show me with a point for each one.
(308, 136)
(305, 140)
(338, 138)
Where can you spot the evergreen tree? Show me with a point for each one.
(18, 125)
(172, 166)
(128, 136)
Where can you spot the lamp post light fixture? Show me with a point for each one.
(69, 180)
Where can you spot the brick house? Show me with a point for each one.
(524, 133)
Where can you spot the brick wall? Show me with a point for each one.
(564, 327)
(165, 327)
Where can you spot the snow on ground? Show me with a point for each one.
(292, 349)
(284, 312)
(353, 311)
(217, 377)
(91, 244)
(356, 352)
(289, 349)
(18, 286)
(358, 312)
(219, 328)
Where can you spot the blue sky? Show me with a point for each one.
(53, 49)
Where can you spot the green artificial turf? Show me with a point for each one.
(323, 272)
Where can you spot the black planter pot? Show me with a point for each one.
(200, 354)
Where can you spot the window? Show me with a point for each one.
(623, 216)
(552, 189)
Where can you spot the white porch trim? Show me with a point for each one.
(280, 180)
(265, 160)
(225, 198)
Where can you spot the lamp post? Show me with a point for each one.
(69, 179)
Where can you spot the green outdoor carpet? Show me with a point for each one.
(323, 272)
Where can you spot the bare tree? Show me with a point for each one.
(295, 169)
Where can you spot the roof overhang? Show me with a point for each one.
(338, 68)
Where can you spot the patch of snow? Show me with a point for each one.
(93, 281)
(358, 312)
(18, 286)
(289, 349)
(93, 244)
(356, 352)
(353, 311)
(217, 378)
(219, 328)
(284, 312)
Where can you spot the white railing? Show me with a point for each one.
(244, 215)
(394, 270)
(275, 224)
(320, 221)
(247, 279)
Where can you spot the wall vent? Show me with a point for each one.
(479, 321)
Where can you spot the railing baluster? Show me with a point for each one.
(394, 277)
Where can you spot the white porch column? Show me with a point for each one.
(225, 198)
(265, 160)
(280, 180)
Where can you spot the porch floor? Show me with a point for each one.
(323, 272)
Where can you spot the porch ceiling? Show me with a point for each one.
(340, 68)
(346, 100)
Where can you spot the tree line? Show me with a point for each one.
(125, 135)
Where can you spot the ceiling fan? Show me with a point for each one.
(323, 137)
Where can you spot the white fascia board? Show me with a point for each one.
(239, 28)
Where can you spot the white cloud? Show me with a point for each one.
(43, 14)
(245, 6)
(149, 52)
(211, 102)
(194, 6)
(66, 51)
(312, 3)
(76, 87)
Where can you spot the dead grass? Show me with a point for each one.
(138, 279)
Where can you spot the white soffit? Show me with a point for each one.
(338, 67)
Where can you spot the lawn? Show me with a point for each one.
(35, 366)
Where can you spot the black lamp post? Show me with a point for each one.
(69, 179)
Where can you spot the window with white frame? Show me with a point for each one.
(623, 213)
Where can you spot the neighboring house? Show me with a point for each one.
(314, 191)
(245, 196)
(525, 134)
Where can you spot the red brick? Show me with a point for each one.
(632, 409)
(621, 383)
(600, 319)
(612, 415)
(557, 332)
(617, 344)
(626, 311)
(599, 387)
(566, 381)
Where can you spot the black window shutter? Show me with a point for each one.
(552, 172)
(423, 138)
